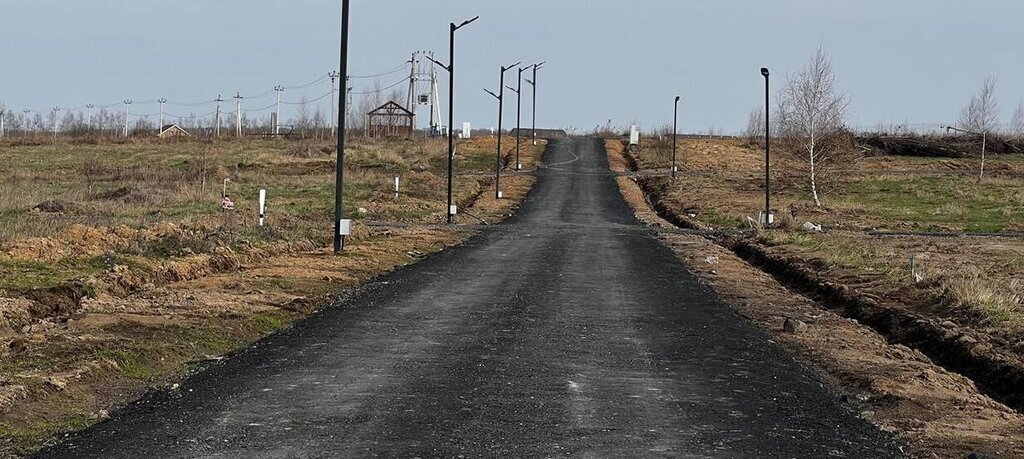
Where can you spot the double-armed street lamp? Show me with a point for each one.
(675, 130)
(767, 149)
(451, 108)
(501, 101)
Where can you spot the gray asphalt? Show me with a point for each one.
(559, 333)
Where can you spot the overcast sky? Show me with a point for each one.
(619, 60)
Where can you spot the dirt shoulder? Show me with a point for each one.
(937, 413)
(98, 315)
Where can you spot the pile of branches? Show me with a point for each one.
(959, 146)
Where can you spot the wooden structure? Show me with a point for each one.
(389, 120)
(172, 130)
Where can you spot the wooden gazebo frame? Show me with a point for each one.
(390, 120)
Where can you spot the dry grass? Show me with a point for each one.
(971, 291)
(168, 277)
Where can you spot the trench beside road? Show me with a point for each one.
(561, 332)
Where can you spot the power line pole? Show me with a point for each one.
(160, 128)
(277, 116)
(127, 103)
(216, 118)
(28, 125)
(3, 114)
(90, 107)
(56, 121)
(334, 76)
(238, 114)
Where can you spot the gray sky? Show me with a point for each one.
(899, 60)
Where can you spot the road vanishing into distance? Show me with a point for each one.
(566, 331)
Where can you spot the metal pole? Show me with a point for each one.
(519, 110)
(160, 128)
(90, 106)
(534, 83)
(451, 114)
(675, 130)
(767, 148)
(127, 103)
(216, 118)
(56, 120)
(277, 116)
(334, 91)
(339, 175)
(238, 114)
(501, 108)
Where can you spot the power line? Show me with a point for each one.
(404, 80)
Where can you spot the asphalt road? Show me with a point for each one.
(558, 333)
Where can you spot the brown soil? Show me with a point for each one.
(937, 413)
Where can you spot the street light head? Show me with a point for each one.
(764, 71)
(677, 98)
(464, 23)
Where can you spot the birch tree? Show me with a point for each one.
(981, 116)
(811, 115)
(755, 125)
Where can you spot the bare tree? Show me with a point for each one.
(811, 114)
(755, 125)
(1017, 122)
(981, 115)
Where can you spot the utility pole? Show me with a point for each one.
(277, 116)
(28, 125)
(216, 117)
(2, 115)
(238, 114)
(533, 83)
(501, 102)
(127, 103)
(451, 109)
(56, 121)
(334, 76)
(90, 107)
(160, 128)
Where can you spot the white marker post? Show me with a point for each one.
(263, 205)
(397, 181)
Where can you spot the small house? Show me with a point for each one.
(172, 130)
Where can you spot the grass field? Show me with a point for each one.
(119, 270)
(973, 280)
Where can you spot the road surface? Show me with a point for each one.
(564, 331)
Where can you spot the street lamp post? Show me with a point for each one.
(984, 141)
(451, 107)
(767, 150)
(519, 112)
(340, 225)
(501, 104)
(675, 129)
(533, 83)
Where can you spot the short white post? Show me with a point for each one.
(397, 181)
(263, 205)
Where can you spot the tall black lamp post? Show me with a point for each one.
(533, 83)
(519, 111)
(340, 225)
(451, 108)
(767, 150)
(675, 130)
(501, 105)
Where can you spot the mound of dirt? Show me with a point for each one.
(14, 313)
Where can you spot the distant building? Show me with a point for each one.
(173, 130)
